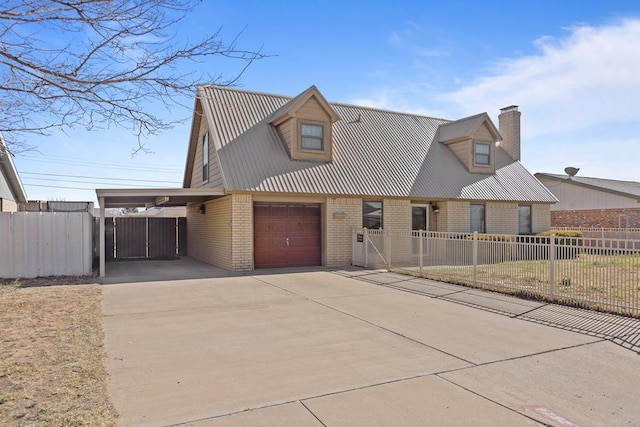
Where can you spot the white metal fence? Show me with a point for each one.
(595, 273)
(35, 244)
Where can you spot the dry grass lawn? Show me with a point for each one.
(52, 357)
(607, 283)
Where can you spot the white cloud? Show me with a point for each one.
(585, 79)
(578, 95)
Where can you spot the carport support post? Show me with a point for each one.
(102, 237)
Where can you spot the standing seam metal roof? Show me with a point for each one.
(375, 153)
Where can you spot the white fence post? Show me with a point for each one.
(421, 246)
(387, 246)
(366, 247)
(552, 266)
(475, 258)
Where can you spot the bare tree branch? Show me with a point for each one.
(96, 63)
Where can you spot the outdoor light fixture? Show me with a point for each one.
(435, 208)
(201, 209)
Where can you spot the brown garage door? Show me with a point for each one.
(286, 235)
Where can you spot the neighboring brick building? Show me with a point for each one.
(593, 202)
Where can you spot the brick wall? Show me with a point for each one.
(396, 214)
(397, 217)
(242, 226)
(7, 205)
(339, 231)
(607, 218)
(209, 235)
(457, 214)
(501, 218)
(541, 217)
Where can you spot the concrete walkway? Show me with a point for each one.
(621, 330)
(321, 348)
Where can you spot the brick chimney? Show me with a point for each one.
(509, 127)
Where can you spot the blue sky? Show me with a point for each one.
(572, 66)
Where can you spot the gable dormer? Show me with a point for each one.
(305, 126)
(473, 140)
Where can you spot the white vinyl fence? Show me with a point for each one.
(602, 274)
(36, 244)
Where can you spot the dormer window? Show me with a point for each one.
(305, 126)
(473, 141)
(482, 153)
(311, 137)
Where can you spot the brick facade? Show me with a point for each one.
(501, 218)
(209, 237)
(223, 235)
(396, 214)
(457, 215)
(338, 239)
(606, 218)
(7, 205)
(242, 227)
(540, 217)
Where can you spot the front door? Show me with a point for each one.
(419, 221)
(419, 218)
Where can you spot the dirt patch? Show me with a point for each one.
(48, 281)
(51, 355)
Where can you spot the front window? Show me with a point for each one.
(524, 219)
(205, 157)
(477, 218)
(482, 153)
(311, 137)
(372, 215)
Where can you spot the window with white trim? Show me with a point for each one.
(481, 153)
(205, 157)
(311, 137)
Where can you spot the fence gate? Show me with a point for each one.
(131, 237)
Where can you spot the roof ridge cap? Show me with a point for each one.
(341, 104)
(452, 122)
(252, 92)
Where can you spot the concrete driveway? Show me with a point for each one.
(318, 348)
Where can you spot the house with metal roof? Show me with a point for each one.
(12, 192)
(593, 202)
(291, 178)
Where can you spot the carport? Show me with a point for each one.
(147, 197)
